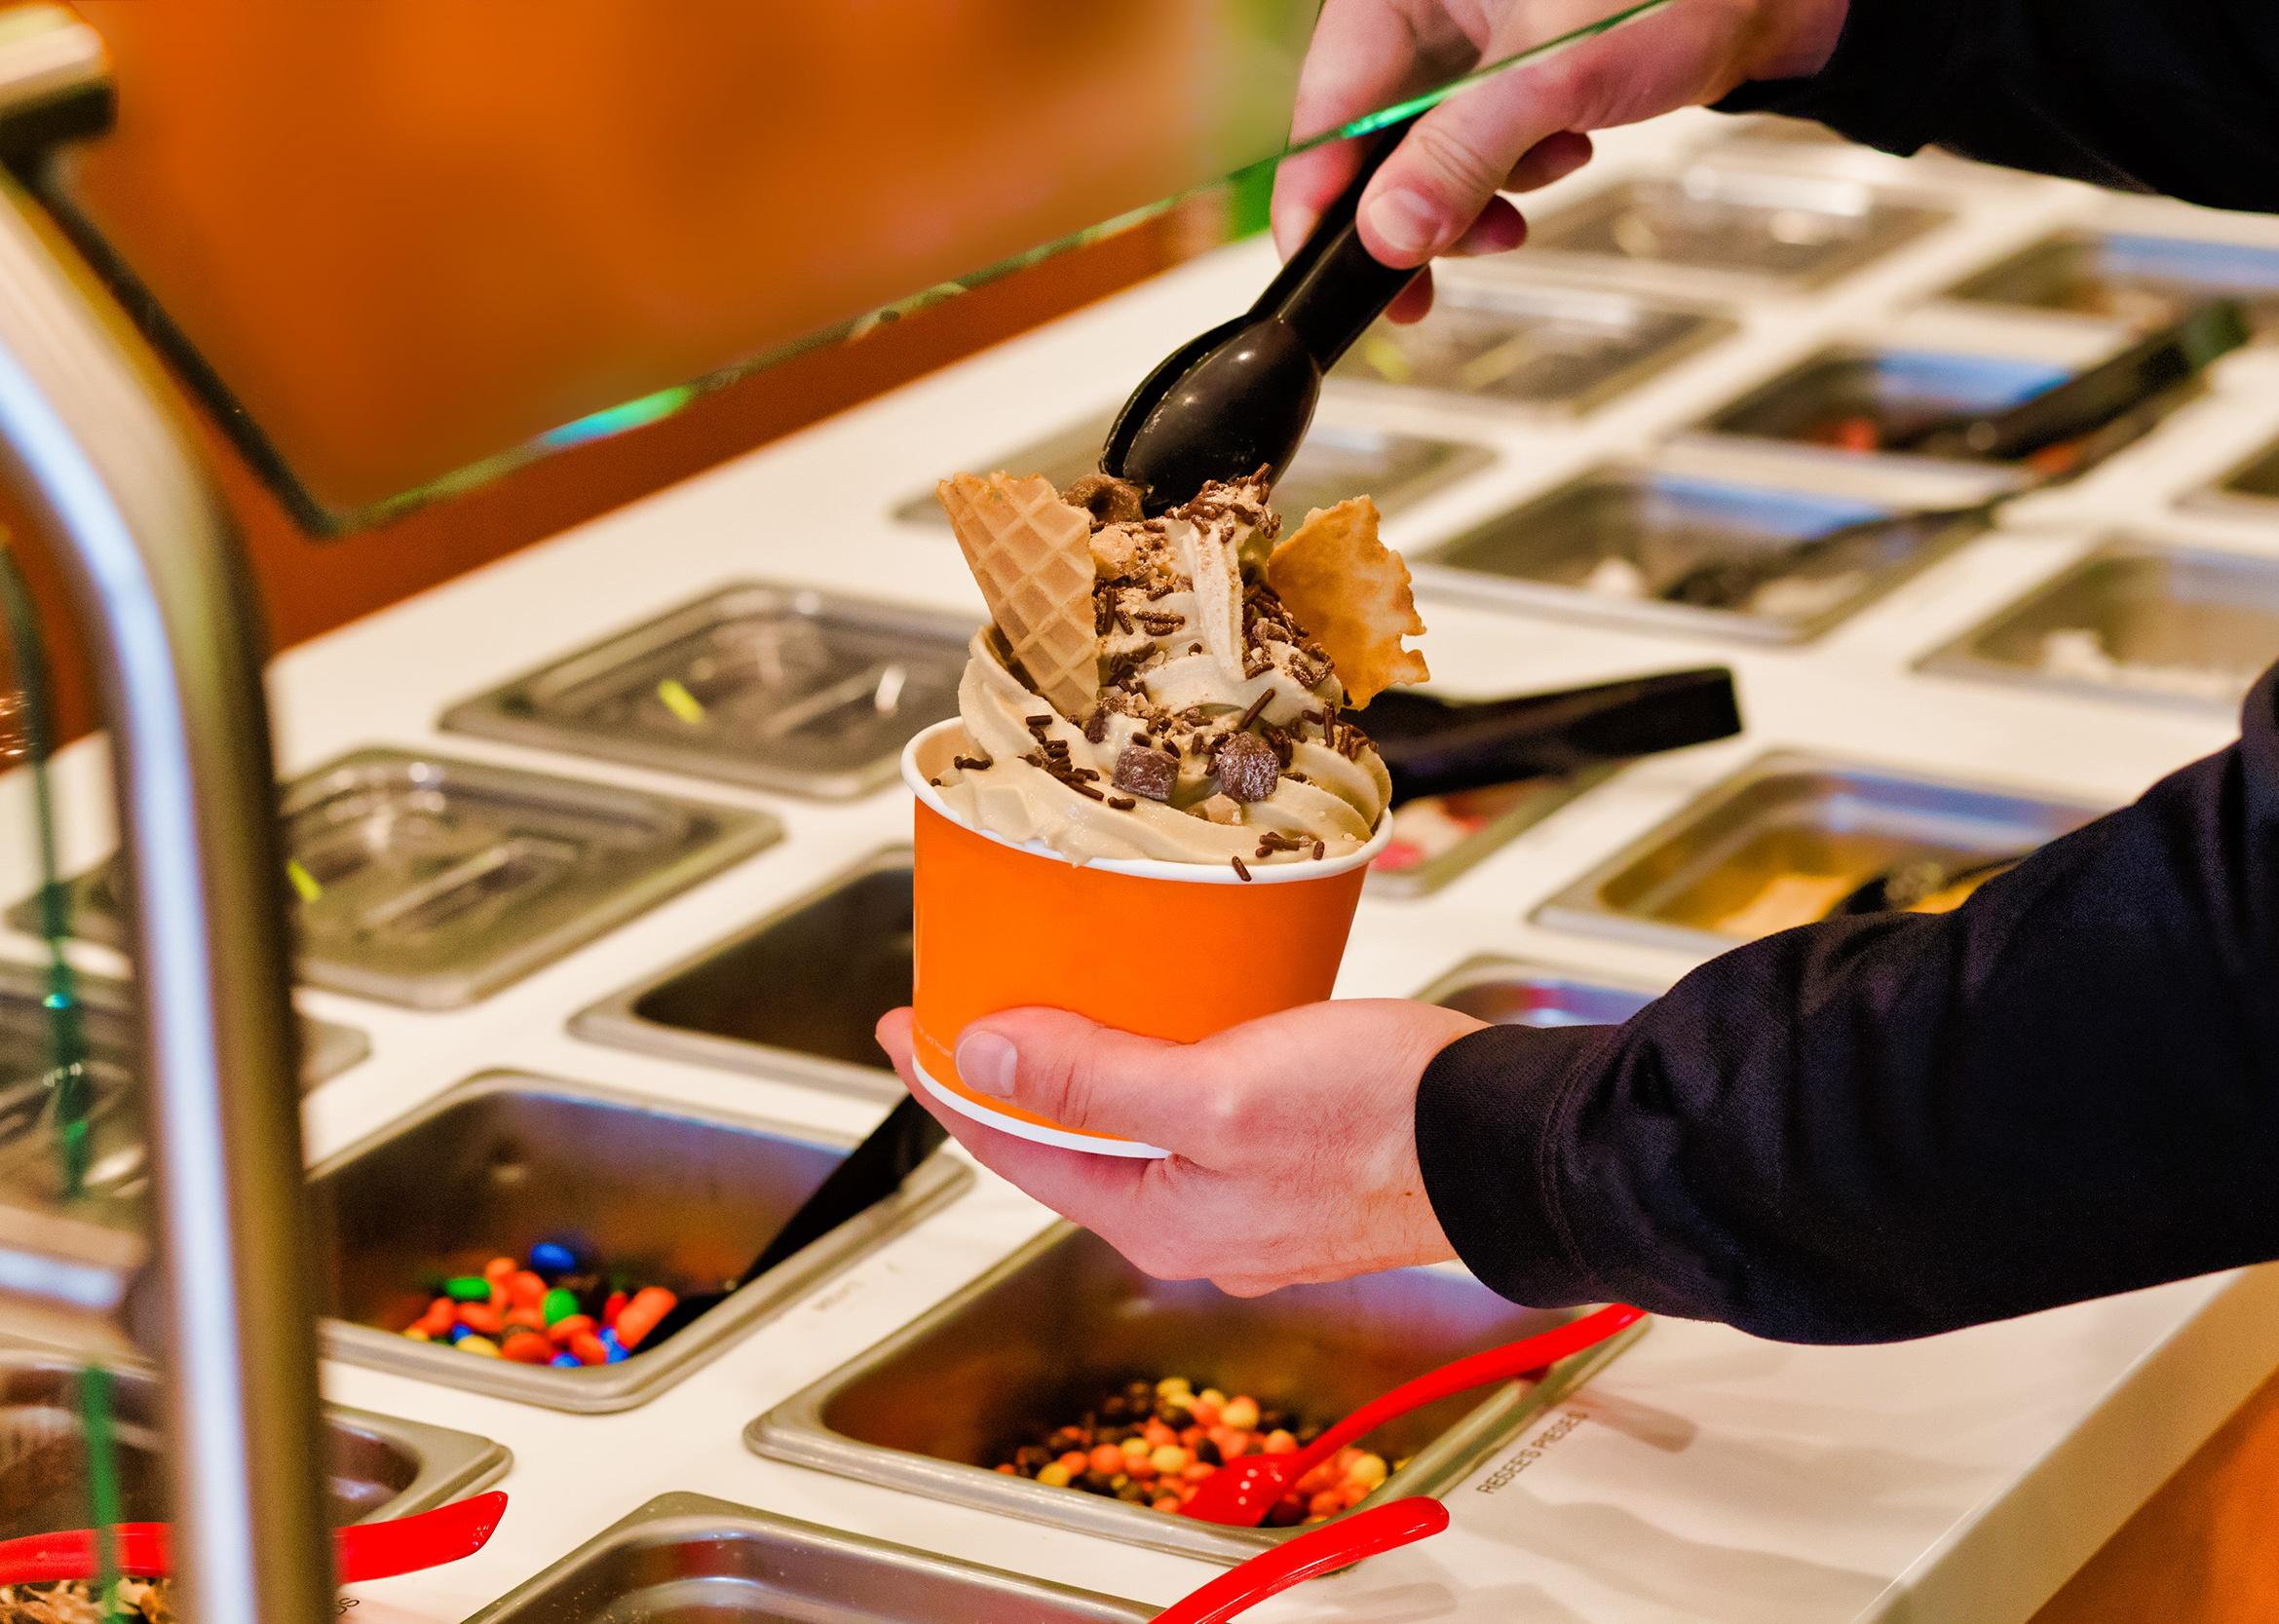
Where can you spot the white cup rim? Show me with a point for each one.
(1145, 868)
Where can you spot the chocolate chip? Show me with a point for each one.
(1148, 772)
(1248, 768)
(1096, 730)
(1109, 500)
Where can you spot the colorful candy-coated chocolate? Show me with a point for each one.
(558, 1304)
(482, 1318)
(498, 1269)
(589, 1349)
(650, 1305)
(528, 1347)
(567, 1362)
(457, 1333)
(482, 1345)
(524, 1289)
(572, 1325)
(467, 1288)
(613, 1348)
(551, 1258)
(615, 1307)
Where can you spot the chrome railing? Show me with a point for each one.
(174, 643)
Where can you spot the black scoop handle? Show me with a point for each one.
(1333, 287)
(1433, 746)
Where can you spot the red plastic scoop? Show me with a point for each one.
(1321, 1550)
(366, 1551)
(1242, 1491)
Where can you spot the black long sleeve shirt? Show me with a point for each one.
(1884, 1127)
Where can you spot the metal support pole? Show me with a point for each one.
(175, 642)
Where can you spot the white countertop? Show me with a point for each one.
(1704, 1475)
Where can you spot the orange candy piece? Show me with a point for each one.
(640, 1317)
(527, 1347)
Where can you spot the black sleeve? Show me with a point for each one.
(1884, 1127)
(2175, 96)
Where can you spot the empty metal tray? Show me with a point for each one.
(432, 882)
(772, 686)
(29, 1164)
(1787, 836)
(662, 1194)
(379, 1466)
(1609, 545)
(2248, 490)
(1550, 349)
(1065, 1318)
(1794, 231)
(2135, 619)
(2144, 281)
(1860, 401)
(1504, 992)
(1437, 837)
(796, 994)
(688, 1559)
(1339, 460)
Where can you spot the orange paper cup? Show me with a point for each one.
(1004, 926)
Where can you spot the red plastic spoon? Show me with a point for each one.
(1242, 1491)
(1333, 1545)
(366, 1550)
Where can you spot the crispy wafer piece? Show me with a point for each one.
(1350, 592)
(1032, 554)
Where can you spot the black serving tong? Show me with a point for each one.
(1902, 885)
(1436, 747)
(871, 1172)
(2148, 368)
(2106, 400)
(1729, 580)
(1239, 398)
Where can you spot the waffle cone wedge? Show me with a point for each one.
(1351, 594)
(1032, 555)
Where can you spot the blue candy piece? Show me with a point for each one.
(566, 1362)
(551, 1258)
(456, 1332)
(614, 1349)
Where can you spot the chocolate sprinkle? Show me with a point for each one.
(1238, 868)
(1121, 803)
(1257, 705)
(971, 763)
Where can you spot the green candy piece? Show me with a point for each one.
(560, 1305)
(467, 1288)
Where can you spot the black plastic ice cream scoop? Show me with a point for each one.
(1239, 398)
(1436, 747)
(871, 1172)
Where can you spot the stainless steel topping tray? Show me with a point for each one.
(1437, 837)
(1790, 231)
(688, 1559)
(774, 687)
(2132, 277)
(667, 1195)
(795, 994)
(1339, 460)
(1548, 348)
(2249, 490)
(29, 1152)
(1890, 393)
(379, 1466)
(2135, 620)
(1603, 548)
(1065, 1318)
(1508, 992)
(433, 881)
(1784, 839)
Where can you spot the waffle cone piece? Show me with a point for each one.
(1351, 594)
(1032, 554)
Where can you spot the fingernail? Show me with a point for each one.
(986, 1063)
(1404, 222)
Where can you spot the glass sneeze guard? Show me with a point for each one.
(402, 251)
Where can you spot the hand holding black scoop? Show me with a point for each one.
(1240, 398)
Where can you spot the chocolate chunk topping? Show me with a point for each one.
(1109, 500)
(1096, 730)
(1148, 772)
(1248, 768)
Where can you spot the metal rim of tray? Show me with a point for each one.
(1483, 968)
